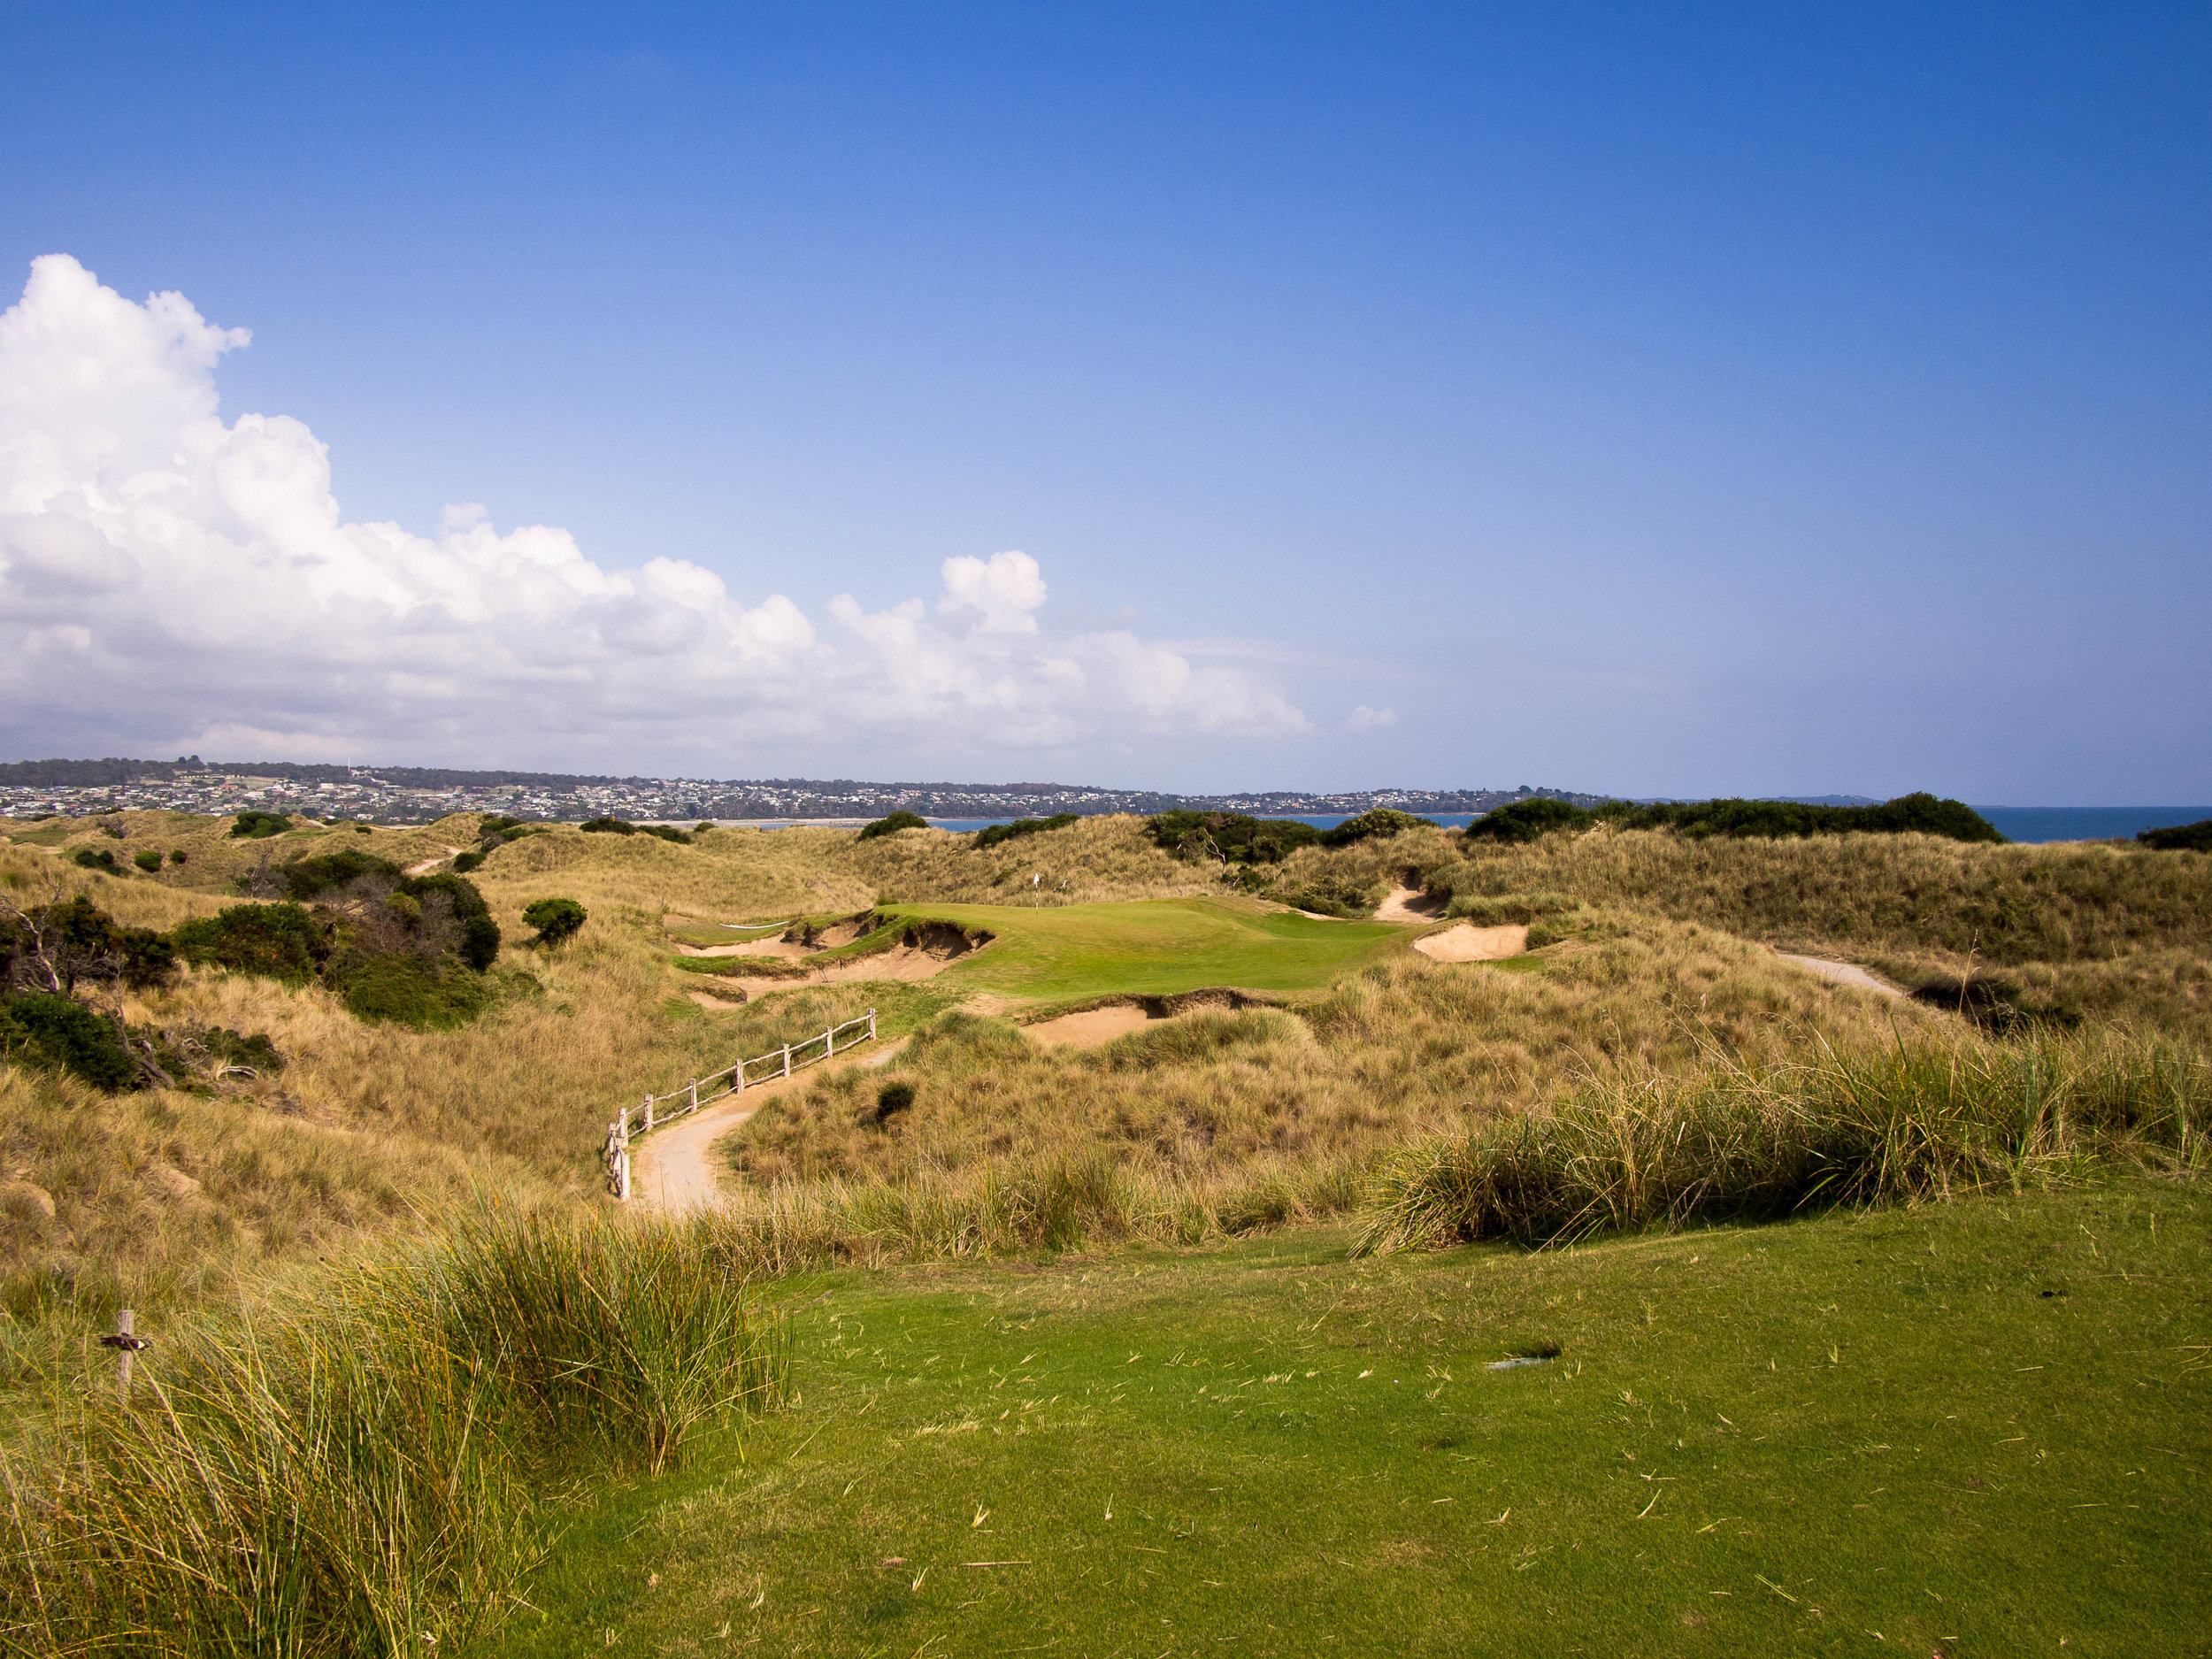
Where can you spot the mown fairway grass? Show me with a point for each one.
(1974, 1428)
(1156, 947)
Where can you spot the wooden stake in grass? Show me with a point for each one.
(125, 1345)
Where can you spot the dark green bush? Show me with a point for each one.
(2192, 838)
(1381, 821)
(1921, 814)
(147, 859)
(464, 862)
(232, 1048)
(1526, 821)
(256, 826)
(309, 879)
(96, 858)
(176, 854)
(555, 919)
(894, 824)
(44, 1028)
(1229, 837)
(405, 990)
(278, 941)
(77, 939)
(608, 826)
(993, 834)
(666, 832)
(479, 934)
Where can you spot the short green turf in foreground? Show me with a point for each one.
(1156, 947)
(1980, 1428)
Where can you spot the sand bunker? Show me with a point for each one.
(1092, 1028)
(925, 950)
(1411, 904)
(1469, 944)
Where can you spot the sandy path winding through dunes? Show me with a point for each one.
(1841, 973)
(675, 1169)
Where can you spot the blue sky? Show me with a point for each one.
(1658, 400)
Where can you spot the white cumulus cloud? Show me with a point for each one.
(1366, 720)
(165, 575)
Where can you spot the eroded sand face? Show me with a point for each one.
(1090, 1028)
(1408, 904)
(1469, 944)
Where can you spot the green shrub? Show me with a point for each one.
(555, 919)
(479, 934)
(308, 878)
(278, 941)
(253, 825)
(1229, 837)
(147, 859)
(177, 855)
(463, 863)
(229, 1047)
(608, 827)
(1527, 820)
(666, 832)
(2196, 838)
(111, 829)
(77, 939)
(44, 1028)
(364, 829)
(993, 834)
(96, 858)
(1922, 814)
(892, 825)
(407, 990)
(1381, 821)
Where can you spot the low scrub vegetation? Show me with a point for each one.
(891, 824)
(997, 834)
(2196, 838)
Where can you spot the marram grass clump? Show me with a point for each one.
(357, 1474)
(1921, 1119)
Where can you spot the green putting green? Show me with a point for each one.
(1156, 947)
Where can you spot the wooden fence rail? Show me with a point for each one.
(731, 1080)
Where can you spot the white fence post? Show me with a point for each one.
(829, 1042)
(649, 1115)
(739, 1070)
(694, 1096)
(622, 1175)
(871, 1024)
(786, 1059)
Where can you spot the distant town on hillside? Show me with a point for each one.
(398, 795)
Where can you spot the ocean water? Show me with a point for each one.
(2087, 823)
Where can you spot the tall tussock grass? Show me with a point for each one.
(359, 1473)
(1923, 1118)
